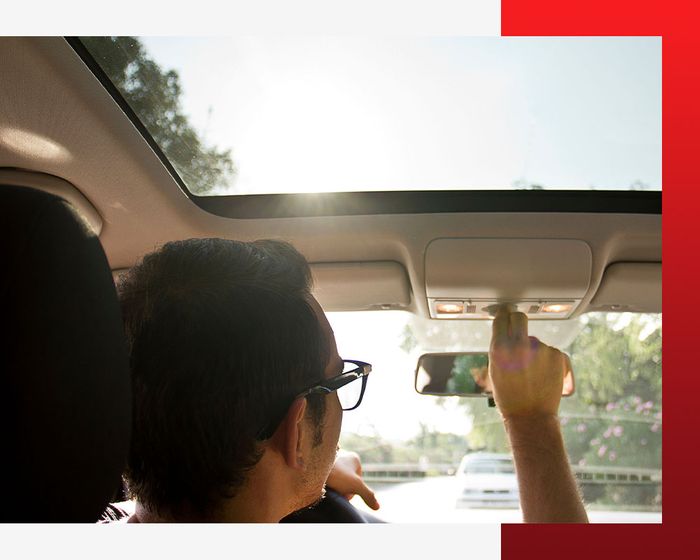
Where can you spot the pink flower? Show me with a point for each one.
(603, 449)
(607, 433)
(617, 431)
(610, 406)
(581, 428)
(595, 441)
(612, 456)
(654, 427)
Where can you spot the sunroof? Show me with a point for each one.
(257, 115)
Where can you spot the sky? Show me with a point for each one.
(325, 114)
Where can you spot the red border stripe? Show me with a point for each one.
(675, 22)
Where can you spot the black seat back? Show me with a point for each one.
(65, 396)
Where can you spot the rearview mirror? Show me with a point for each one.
(464, 374)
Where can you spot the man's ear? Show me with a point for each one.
(291, 434)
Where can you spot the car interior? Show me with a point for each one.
(86, 192)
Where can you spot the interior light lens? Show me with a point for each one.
(451, 307)
(556, 308)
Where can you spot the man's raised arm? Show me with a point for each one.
(527, 378)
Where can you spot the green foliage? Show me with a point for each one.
(487, 432)
(371, 449)
(154, 95)
(612, 360)
(431, 446)
(523, 184)
(408, 339)
(627, 434)
(466, 370)
(438, 447)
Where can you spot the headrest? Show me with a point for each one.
(65, 395)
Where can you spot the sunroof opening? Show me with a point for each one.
(262, 115)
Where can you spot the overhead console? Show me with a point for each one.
(543, 278)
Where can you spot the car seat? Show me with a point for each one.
(65, 396)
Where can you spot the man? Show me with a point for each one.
(236, 375)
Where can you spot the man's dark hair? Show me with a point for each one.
(221, 335)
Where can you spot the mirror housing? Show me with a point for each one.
(462, 374)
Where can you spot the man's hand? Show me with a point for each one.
(346, 478)
(481, 378)
(528, 378)
(527, 375)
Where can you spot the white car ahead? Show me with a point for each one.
(487, 480)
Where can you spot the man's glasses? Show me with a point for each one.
(347, 384)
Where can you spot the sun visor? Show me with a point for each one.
(356, 286)
(629, 287)
(544, 278)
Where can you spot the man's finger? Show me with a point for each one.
(568, 368)
(568, 388)
(500, 324)
(518, 326)
(367, 495)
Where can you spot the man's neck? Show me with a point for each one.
(227, 514)
(262, 499)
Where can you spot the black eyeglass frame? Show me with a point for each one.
(325, 387)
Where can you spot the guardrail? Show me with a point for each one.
(616, 475)
(404, 472)
(388, 472)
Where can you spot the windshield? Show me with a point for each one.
(412, 446)
(256, 115)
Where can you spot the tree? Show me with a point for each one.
(467, 369)
(408, 339)
(430, 445)
(155, 96)
(617, 360)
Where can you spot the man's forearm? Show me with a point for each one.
(548, 491)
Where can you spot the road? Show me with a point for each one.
(433, 501)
